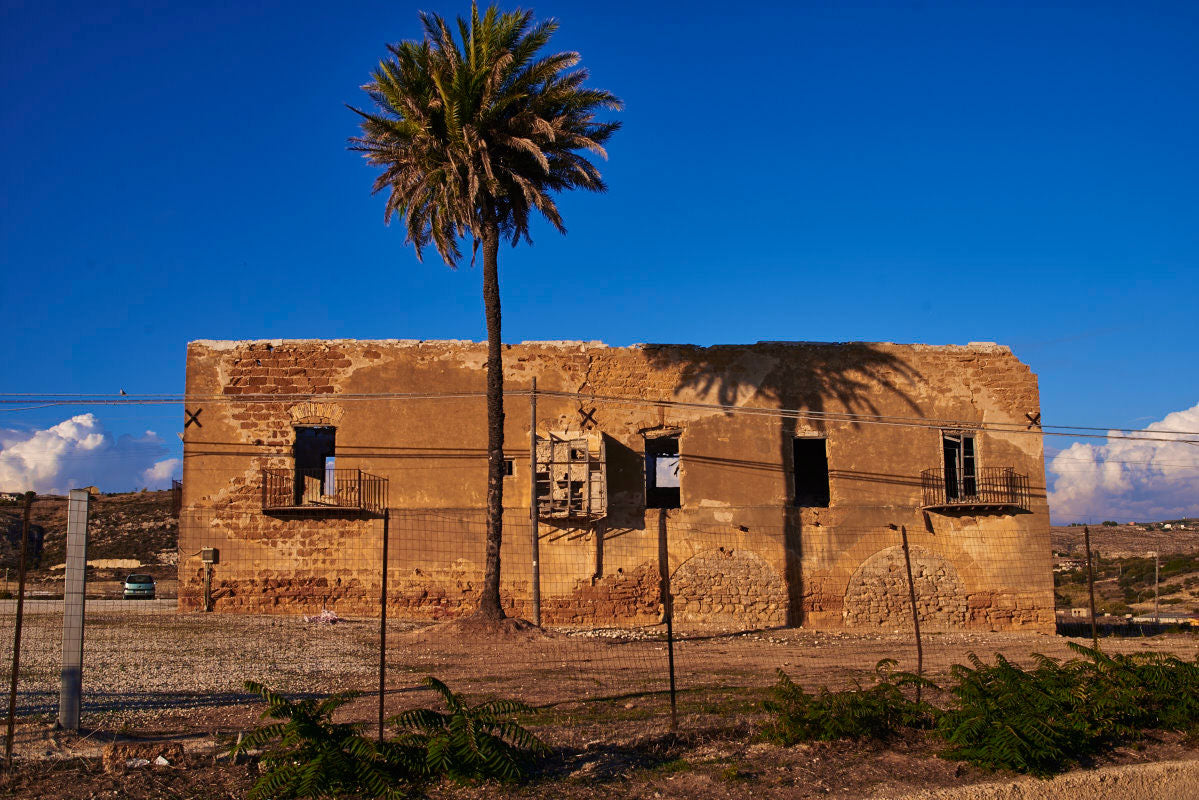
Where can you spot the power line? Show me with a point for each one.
(852, 417)
(154, 398)
(869, 419)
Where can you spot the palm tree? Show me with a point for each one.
(471, 136)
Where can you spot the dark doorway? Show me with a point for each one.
(811, 472)
(314, 459)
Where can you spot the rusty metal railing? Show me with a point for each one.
(1000, 487)
(313, 490)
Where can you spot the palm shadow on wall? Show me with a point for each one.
(811, 379)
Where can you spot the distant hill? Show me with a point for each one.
(1116, 541)
(134, 525)
(1125, 568)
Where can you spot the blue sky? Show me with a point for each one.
(921, 172)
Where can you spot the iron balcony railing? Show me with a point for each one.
(314, 490)
(994, 487)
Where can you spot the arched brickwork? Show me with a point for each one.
(877, 595)
(729, 588)
(313, 413)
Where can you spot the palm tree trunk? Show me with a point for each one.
(489, 600)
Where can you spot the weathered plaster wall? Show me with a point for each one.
(763, 562)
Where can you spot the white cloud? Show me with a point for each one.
(80, 452)
(162, 471)
(1129, 479)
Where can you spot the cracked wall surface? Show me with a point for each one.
(411, 411)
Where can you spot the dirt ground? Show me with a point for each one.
(603, 700)
(717, 762)
(152, 669)
(602, 696)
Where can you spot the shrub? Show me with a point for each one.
(309, 755)
(1039, 720)
(876, 713)
(1166, 687)
(480, 741)
(1044, 719)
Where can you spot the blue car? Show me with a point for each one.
(139, 587)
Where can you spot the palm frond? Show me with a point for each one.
(478, 126)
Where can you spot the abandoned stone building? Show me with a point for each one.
(767, 484)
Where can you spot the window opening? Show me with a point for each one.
(961, 470)
(315, 464)
(509, 466)
(663, 488)
(811, 472)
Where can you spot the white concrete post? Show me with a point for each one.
(74, 587)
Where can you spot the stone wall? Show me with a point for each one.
(729, 588)
(626, 598)
(740, 552)
(877, 597)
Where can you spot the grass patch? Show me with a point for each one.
(735, 773)
(673, 766)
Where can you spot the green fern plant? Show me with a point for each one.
(1010, 718)
(877, 712)
(1043, 720)
(1163, 689)
(465, 741)
(307, 754)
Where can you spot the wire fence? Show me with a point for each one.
(661, 623)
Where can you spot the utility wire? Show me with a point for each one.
(172, 398)
(853, 417)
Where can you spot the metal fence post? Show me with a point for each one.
(1086, 539)
(73, 599)
(667, 600)
(674, 704)
(383, 624)
(907, 561)
(534, 541)
(16, 645)
(1157, 564)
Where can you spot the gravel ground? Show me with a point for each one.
(149, 669)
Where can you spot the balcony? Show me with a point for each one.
(322, 490)
(994, 489)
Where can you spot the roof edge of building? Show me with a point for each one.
(232, 344)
